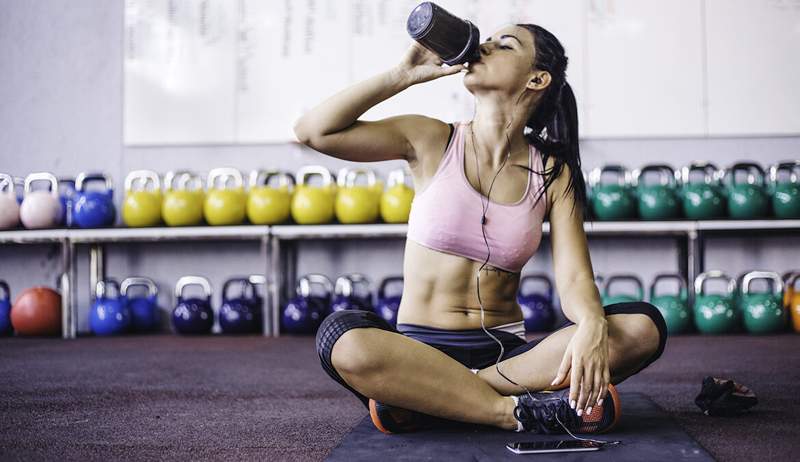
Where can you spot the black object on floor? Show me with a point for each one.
(646, 431)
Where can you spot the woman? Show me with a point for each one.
(465, 251)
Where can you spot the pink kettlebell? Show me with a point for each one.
(9, 207)
(40, 208)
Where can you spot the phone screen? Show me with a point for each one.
(529, 447)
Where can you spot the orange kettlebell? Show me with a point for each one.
(792, 300)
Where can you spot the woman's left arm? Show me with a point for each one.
(586, 356)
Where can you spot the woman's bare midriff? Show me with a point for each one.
(439, 290)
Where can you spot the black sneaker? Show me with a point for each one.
(543, 413)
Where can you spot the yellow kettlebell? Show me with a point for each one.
(357, 203)
(225, 204)
(313, 205)
(396, 200)
(142, 206)
(269, 205)
(183, 199)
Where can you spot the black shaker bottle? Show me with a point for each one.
(451, 38)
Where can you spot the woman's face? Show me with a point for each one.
(506, 62)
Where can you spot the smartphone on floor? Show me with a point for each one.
(540, 447)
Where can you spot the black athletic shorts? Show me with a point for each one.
(472, 348)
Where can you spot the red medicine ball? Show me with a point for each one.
(37, 311)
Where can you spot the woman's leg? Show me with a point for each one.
(636, 335)
(396, 370)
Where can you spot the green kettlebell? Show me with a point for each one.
(673, 307)
(657, 201)
(763, 311)
(785, 192)
(715, 313)
(702, 200)
(636, 296)
(614, 201)
(746, 200)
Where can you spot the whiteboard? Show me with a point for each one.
(753, 67)
(645, 66)
(242, 71)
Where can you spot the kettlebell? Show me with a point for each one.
(313, 205)
(746, 200)
(356, 203)
(537, 306)
(395, 205)
(109, 314)
(346, 295)
(40, 209)
(9, 207)
(615, 201)
(715, 313)
(183, 199)
(193, 315)
(237, 314)
(388, 305)
(142, 205)
(763, 311)
(609, 299)
(269, 205)
(304, 312)
(95, 208)
(657, 201)
(673, 307)
(5, 308)
(257, 301)
(19, 188)
(144, 308)
(66, 194)
(449, 37)
(704, 200)
(785, 191)
(793, 300)
(224, 204)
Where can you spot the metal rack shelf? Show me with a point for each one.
(279, 247)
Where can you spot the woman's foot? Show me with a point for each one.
(549, 412)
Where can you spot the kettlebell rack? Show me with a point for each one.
(280, 247)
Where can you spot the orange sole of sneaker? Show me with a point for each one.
(373, 414)
(612, 392)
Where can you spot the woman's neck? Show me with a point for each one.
(497, 122)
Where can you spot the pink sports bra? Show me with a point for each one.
(446, 215)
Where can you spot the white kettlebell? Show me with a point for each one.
(9, 207)
(40, 209)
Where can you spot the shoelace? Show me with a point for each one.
(544, 416)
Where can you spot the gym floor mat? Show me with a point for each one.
(646, 431)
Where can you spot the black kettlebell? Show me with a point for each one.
(454, 40)
(193, 315)
(304, 313)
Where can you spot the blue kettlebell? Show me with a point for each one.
(5, 310)
(346, 295)
(537, 306)
(66, 193)
(109, 315)
(304, 313)
(93, 209)
(236, 314)
(257, 300)
(19, 188)
(143, 308)
(388, 305)
(193, 315)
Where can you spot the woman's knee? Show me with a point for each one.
(356, 353)
(640, 333)
(341, 343)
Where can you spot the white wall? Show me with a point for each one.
(61, 110)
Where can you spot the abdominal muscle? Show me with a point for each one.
(440, 290)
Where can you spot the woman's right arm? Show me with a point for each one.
(333, 128)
